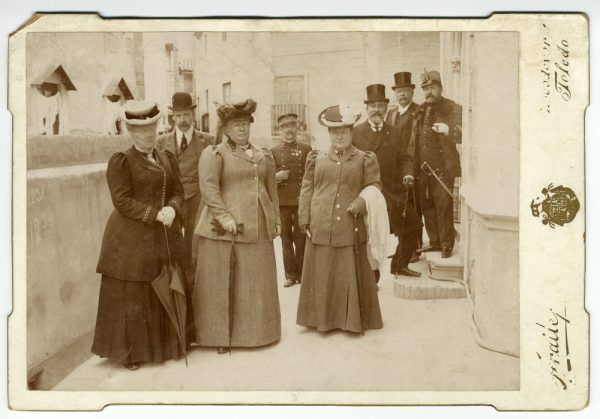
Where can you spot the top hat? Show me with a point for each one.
(337, 116)
(431, 77)
(182, 101)
(140, 113)
(376, 93)
(240, 110)
(402, 79)
(288, 118)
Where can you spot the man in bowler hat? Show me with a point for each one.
(402, 117)
(187, 143)
(396, 172)
(290, 159)
(437, 128)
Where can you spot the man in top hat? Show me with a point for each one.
(402, 117)
(437, 128)
(290, 159)
(396, 171)
(186, 143)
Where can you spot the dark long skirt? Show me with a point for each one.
(329, 292)
(132, 325)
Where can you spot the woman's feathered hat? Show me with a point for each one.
(338, 116)
(240, 110)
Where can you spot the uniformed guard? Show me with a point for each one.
(290, 159)
(437, 129)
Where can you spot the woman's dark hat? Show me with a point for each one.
(402, 79)
(337, 116)
(182, 101)
(240, 110)
(376, 93)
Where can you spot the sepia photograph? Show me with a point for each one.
(310, 205)
(346, 212)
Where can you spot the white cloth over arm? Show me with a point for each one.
(378, 225)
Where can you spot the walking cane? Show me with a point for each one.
(357, 265)
(428, 170)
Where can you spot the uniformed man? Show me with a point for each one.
(290, 159)
(402, 117)
(437, 128)
(187, 143)
(397, 174)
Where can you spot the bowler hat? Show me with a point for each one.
(182, 101)
(431, 77)
(402, 79)
(376, 93)
(337, 116)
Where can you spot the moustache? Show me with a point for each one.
(375, 113)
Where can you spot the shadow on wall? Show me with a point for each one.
(68, 204)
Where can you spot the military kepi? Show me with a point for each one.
(429, 78)
(376, 93)
(402, 79)
(181, 101)
(288, 118)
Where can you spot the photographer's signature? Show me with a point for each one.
(555, 69)
(557, 355)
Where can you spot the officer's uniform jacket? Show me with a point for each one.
(290, 157)
(330, 184)
(235, 186)
(188, 160)
(437, 149)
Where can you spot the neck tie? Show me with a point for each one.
(184, 143)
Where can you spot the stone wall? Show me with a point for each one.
(68, 204)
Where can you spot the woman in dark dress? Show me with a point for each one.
(131, 325)
(338, 286)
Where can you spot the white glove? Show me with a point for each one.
(441, 128)
(168, 215)
(230, 227)
(282, 175)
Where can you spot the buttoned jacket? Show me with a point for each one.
(235, 186)
(330, 184)
(290, 157)
(189, 170)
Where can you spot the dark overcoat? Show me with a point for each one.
(437, 149)
(394, 164)
(134, 246)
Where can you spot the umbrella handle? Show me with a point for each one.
(167, 241)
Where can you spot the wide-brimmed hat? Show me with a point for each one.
(376, 93)
(181, 101)
(140, 113)
(240, 110)
(431, 77)
(288, 118)
(338, 116)
(402, 79)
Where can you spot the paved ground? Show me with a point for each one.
(424, 345)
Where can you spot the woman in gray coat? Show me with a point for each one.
(338, 286)
(237, 184)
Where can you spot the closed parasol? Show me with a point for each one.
(168, 286)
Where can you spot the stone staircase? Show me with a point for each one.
(438, 280)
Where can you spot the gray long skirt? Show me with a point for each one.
(257, 318)
(329, 297)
